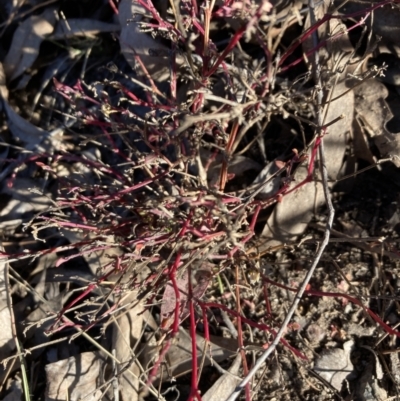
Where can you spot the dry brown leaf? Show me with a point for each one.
(33, 137)
(154, 55)
(82, 27)
(74, 378)
(179, 356)
(26, 42)
(199, 280)
(291, 216)
(126, 332)
(373, 113)
(335, 365)
(26, 197)
(225, 385)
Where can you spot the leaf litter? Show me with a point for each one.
(156, 177)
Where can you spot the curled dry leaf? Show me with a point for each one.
(74, 378)
(26, 43)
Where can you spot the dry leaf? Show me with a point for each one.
(335, 365)
(96, 259)
(367, 386)
(33, 137)
(237, 166)
(82, 27)
(291, 216)
(3, 86)
(226, 384)
(26, 43)
(269, 180)
(26, 197)
(154, 55)
(373, 113)
(179, 356)
(126, 332)
(74, 378)
(6, 339)
(395, 367)
(199, 280)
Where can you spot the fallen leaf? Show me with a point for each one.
(237, 166)
(335, 366)
(373, 112)
(291, 216)
(3, 86)
(72, 27)
(126, 332)
(226, 384)
(269, 180)
(26, 42)
(199, 280)
(367, 387)
(74, 378)
(179, 356)
(134, 42)
(26, 197)
(6, 338)
(33, 137)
